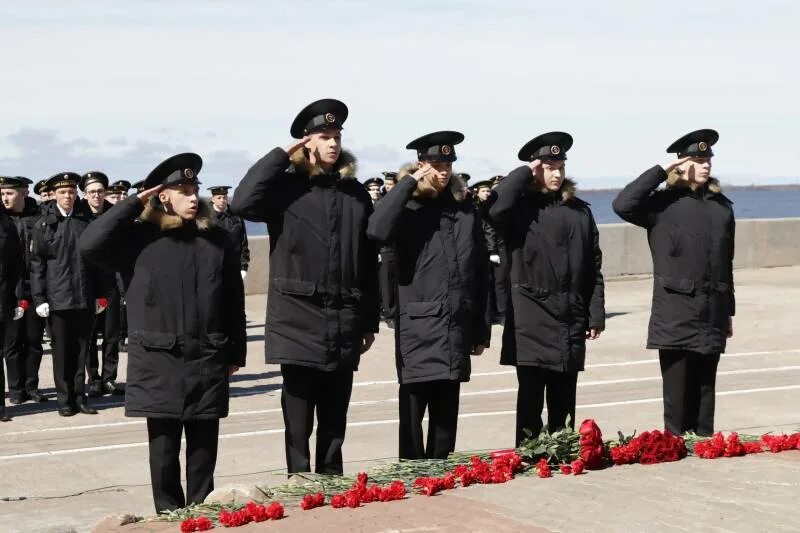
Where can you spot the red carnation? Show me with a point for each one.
(577, 467)
(338, 501)
(275, 511)
(312, 501)
(565, 469)
(24, 304)
(543, 469)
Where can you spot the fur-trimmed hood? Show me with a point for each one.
(425, 190)
(674, 181)
(567, 190)
(346, 166)
(154, 213)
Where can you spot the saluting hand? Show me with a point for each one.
(533, 165)
(144, 196)
(425, 171)
(672, 165)
(296, 145)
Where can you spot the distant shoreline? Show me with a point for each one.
(727, 187)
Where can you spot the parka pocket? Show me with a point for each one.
(678, 285)
(154, 340)
(294, 287)
(422, 328)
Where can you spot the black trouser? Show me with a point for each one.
(535, 384)
(304, 391)
(164, 436)
(106, 324)
(441, 399)
(23, 352)
(70, 338)
(689, 391)
(387, 277)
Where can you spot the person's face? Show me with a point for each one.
(388, 185)
(13, 199)
(374, 192)
(65, 197)
(220, 201)
(701, 167)
(444, 169)
(121, 196)
(483, 193)
(181, 200)
(551, 174)
(325, 145)
(44, 195)
(95, 194)
(112, 197)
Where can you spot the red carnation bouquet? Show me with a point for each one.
(649, 448)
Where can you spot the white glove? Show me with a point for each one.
(494, 258)
(19, 312)
(99, 307)
(243, 273)
(43, 310)
(380, 259)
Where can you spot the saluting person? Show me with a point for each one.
(557, 291)
(441, 295)
(322, 310)
(690, 228)
(186, 321)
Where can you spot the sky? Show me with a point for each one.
(119, 86)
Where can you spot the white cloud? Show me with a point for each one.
(624, 77)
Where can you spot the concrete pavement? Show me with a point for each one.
(75, 471)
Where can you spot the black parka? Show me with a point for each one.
(323, 286)
(59, 276)
(442, 277)
(238, 235)
(11, 266)
(185, 303)
(25, 221)
(691, 237)
(557, 288)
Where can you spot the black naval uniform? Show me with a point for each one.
(691, 236)
(10, 270)
(106, 325)
(60, 278)
(238, 235)
(323, 289)
(187, 327)
(23, 337)
(557, 288)
(442, 289)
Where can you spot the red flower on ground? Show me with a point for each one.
(543, 469)
(565, 469)
(312, 501)
(577, 467)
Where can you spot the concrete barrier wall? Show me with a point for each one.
(759, 243)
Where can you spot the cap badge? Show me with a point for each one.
(330, 118)
(555, 150)
(702, 146)
(66, 177)
(446, 149)
(188, 173)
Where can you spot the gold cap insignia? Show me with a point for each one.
(446, 149)
(330, 118)
(555, 150)
(702, 146)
